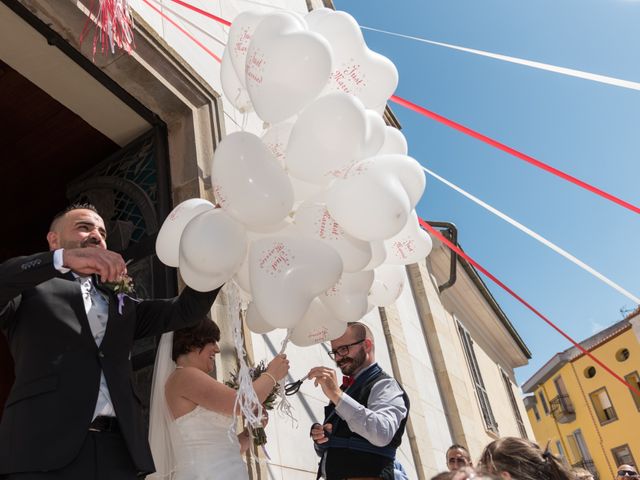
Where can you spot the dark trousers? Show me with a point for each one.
(103, 456)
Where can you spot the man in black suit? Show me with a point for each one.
(73, 412)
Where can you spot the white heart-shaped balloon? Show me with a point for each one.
(276, 139)
(248, 182)
(411, 245)
(315, 221)
(240, 35)
(303, 191)
(355, 70)
(255, 322)
(394, 142)
(318, 325)
(375, 134)
(378, 255)
(328, 136)
(387, 285)
(372, 200)
(234, 90)
(348, 299)
(168, 239)
(286, 273)
(212, 248)
(286, 67)
(242, 276)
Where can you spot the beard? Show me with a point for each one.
(349, 365)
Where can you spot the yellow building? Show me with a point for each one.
(589, 417)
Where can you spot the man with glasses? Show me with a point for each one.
(627, 472)
(366, 416)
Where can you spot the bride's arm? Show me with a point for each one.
(200, 388)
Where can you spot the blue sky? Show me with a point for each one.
(587, 129)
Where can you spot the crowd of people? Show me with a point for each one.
(512, 458)
(73, 412)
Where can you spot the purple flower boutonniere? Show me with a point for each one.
(122, 288)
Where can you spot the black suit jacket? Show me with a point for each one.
(58, 364)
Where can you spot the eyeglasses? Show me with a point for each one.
(343, 350)
(627, 473)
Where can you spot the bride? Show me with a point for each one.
(192, 414)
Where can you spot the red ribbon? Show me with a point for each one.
(512, 151)
(459, 251)
(182, 30)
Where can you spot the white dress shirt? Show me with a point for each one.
(96, 306)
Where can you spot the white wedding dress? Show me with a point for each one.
(205, 449)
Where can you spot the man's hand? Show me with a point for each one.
(319, 432)
(326, 378)
(86, 261)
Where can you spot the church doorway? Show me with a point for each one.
(59, 146)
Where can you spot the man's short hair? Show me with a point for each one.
(362, 330)
(73, 206)
(455, 446)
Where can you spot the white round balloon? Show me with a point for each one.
(314, 220)
(394, 142)
(378, 255)
(328, 136)
(168, 239)
(387, 285)
(373, 199)
(318, 325)
(212, 248)
(255, 322)
(248, 182)
(411, 245)
(348, 299)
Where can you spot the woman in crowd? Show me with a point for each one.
(517, 459)
(582, 474)
(191, 412)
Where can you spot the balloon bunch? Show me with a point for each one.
(317, 216)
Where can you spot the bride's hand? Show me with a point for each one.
(278, 367)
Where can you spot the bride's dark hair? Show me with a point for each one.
(188, 339)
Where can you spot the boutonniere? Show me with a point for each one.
(122, 288)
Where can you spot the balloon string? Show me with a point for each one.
(459, 251)
(247, 401)
(284, 406)
(285, 342)
(245, 120)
